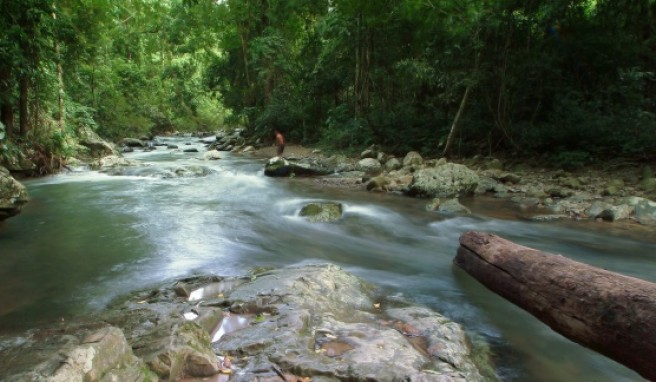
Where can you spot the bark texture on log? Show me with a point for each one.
(612, 314)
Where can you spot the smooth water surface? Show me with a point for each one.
(87, 237)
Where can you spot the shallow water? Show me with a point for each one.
(86, 237)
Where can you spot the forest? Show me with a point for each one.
(565, 80)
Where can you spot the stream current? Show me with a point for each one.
(86, 237)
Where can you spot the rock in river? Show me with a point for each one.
(314, 321)
(279, 167)
(13, 195)
(322, 212)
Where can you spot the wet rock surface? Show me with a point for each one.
(13, 195)
(322, 212)
(85, 352)
(291, 166)
(317, 322)
(626, 192)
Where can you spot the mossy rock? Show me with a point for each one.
(322, 212)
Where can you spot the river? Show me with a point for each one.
(87, 237)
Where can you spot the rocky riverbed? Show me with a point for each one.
(315, 322)
(620, 192)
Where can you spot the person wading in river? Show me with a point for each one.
(280, 143)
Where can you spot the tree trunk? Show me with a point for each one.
(612, 314)
(456, 121)
(6, 109)
(7, 116)
(22, 105)
(60, 76)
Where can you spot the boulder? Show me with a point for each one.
(327, 326)
(614, 213)
(487, 184)
(448, 180)
(77, 353)
(413, 158)
(369, 166)
(614, 187)
(369, 153)
(649, 184)
(174, 349)
(190, 150)
(393, 164)
(321, 212)
(450, 206)
(20, 162)
(343, 164)
(13, 195)
(644, 209)
(212, 155)
(312, 166)
(277, 166)
(133, 142)
(493, 164)
(570, 182)
(509, 177)
(378, 183)
(316, 322)
(113, 161)
(207, 139)
(96, 147)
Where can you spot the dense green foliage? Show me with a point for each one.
(128, 68)
(571, 78)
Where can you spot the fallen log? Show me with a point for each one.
(612, 314)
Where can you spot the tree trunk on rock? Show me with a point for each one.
(612, 314)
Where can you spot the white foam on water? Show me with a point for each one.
(241, 179)
(372, 211)
(79, 177)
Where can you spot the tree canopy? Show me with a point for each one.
(569, 78)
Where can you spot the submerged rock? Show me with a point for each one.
(163, 172)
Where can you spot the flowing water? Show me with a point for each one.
(87, 237)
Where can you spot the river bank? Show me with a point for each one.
(598, 197)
